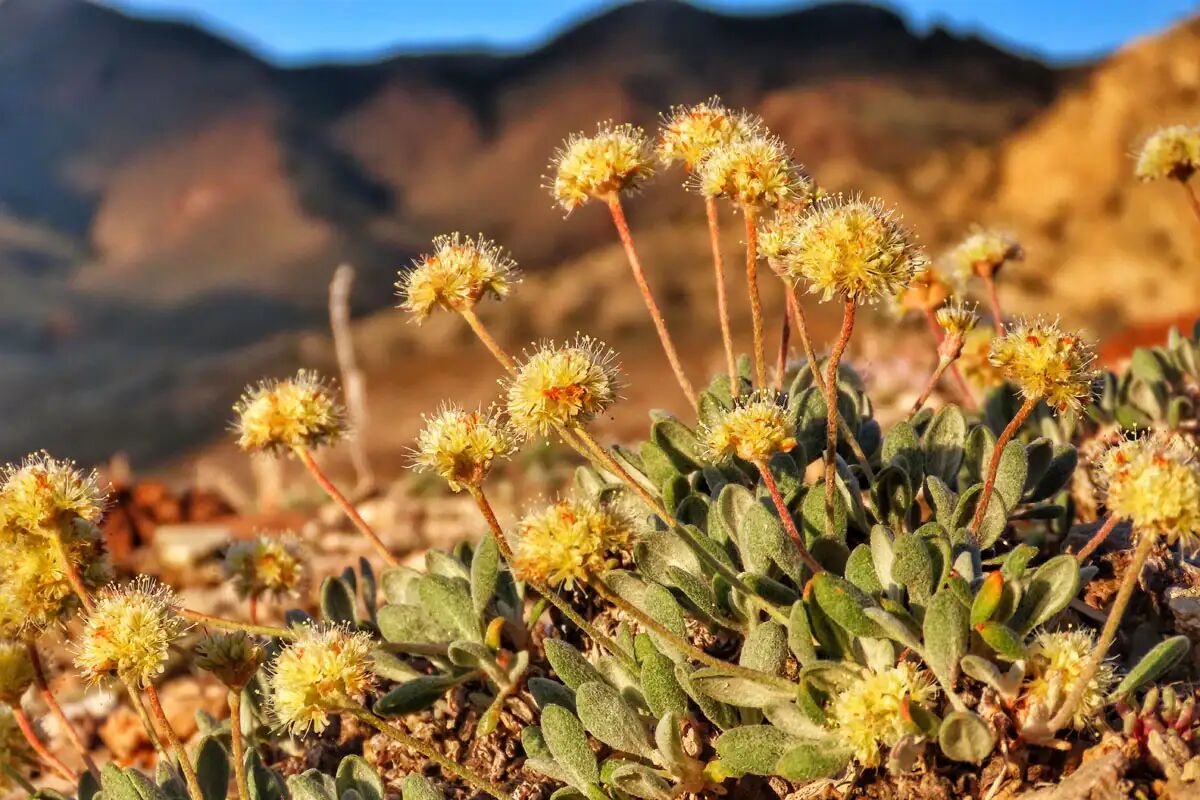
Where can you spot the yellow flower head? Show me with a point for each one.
(615, 159)
(563, 385)
(324, 669)
(854, 249)
(1154, 482)
(232, 657)
(975, 362)
(957, 319)
(281, 415)
(1046, 363)
(1171, 152)
(983, 253)
(14, 748)
(264, 565)
(16, 671)
(868, 714)
(1056, 663)
(461, 446)
(689, 133)
(928, 291)
(129, 633)
(34, 590)
(43, 492)
(570, 540)
(456, 276)
(754, 170)
(755, 429)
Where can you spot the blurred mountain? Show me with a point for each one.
(171, 207)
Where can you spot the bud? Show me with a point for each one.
(616, 159)
(461, 446)
(325, 669)
(563, 385)
(459, 273)
(1046, 363)
(570, 540)
(287, 414)
(957, 319)
(232, 657)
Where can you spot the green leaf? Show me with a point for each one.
(569, 664)
(119, 784)
(485, 572)
(1052, 587)
(844, 603)
(800, 637)
(567, 741)
(943, 443)
(405, 623)
(659, 467)
(415, 695)
(89, 786)
(547, 692)
(900, 447)
(660, 686)
(355, 773)
(895, 628)
(941, 499)
(946, 634)
(811, 760)
(1153, 665)
(448, 601)
(263, 782)
(731, 508)
(994, 520)
(679, 443)
(212, 768)
(637, 780)
(606, 715)
(1003, 639)
(753, 749)
(737, 690)
(337, 602)
(987, 599)
(765, 648)
(311, 785)
(416, 787)
(1010, 477)
(765, 541)
(964, 736)
(860, 570)
(720, 714)
(914, 567)
(812, 514)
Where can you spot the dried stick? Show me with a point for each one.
(1097, 538)
(786, 517)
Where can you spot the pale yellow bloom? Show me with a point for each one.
(1046, 363)
(458, 273)
(974, 361)
(983, 253)
(264, 565)
(1171, 152)
(756, 428)
(1154, 482)
(299, 412)
(567, 384)
(570, 540)
(868, 714)
(462, 446)
(34, 590)
(689, 133)
(957, 319)
(43, 493)
(325, 669)
(129, 633)
(1056, 663)
(613, 160)
(232, 657)
(754, 170)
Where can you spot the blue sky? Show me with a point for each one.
(305, 31)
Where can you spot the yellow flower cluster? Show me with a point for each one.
(957, 319)
(461, 446)
(756, 428)
(570, 540)
(1171, 152)
(1046, 363)
(16, 671)
(232, 657)
(613, 160)
(129, 633)
(983, 253)
(34, 590)
(928, 291)
(1154, 482)
(563, 385)
(689, 133)
(299, 412)
(975, 359)
(1056, 663)
(753, 170)
(264, 565)
(43, 492)
(458, 273)
(324, 669)
(852, 248)
(15, 751)
(868, 714)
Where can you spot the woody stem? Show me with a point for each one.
(989, 283)
(490, 343)
(185, 762)
(71, 570)
(786, 517)
(1097, 538)
(30, 733)
(932, 382)
(750, 215)
(237, 743)
(989, 485)
(639, 277)
(831, 409)
(714, 238)
(964, 388)
(306, 458)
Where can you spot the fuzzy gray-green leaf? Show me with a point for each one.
(946, 633)
(753, 749)
(660, 686)
(567, 741)
(448, 601)
(606, 715)
(1154, 664)
(417, 787)
(964, 736)
(355, 773)
(811, 760)
(213, 768)
(569, 664)
(485, 571)
(844, 603)
(1052, 587)
(943, 443)
(765, 648)
(736, 690)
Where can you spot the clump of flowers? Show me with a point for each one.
(16, 672)
(1154, 481)
(868, 714)
(754, 171)
(570, 540)
(1057, 662)
(1046, 363)
(232, 657)
(461, 446)
(983, 253)
(689, 133)
(567, 385)
(325, 669)
(456, 276)
(615, 159)
(299, 412)
(129, 633)
(1171, 152)
(853, 248)
(35, 592)
(264, 565)
(755, 429)
(43, 493)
